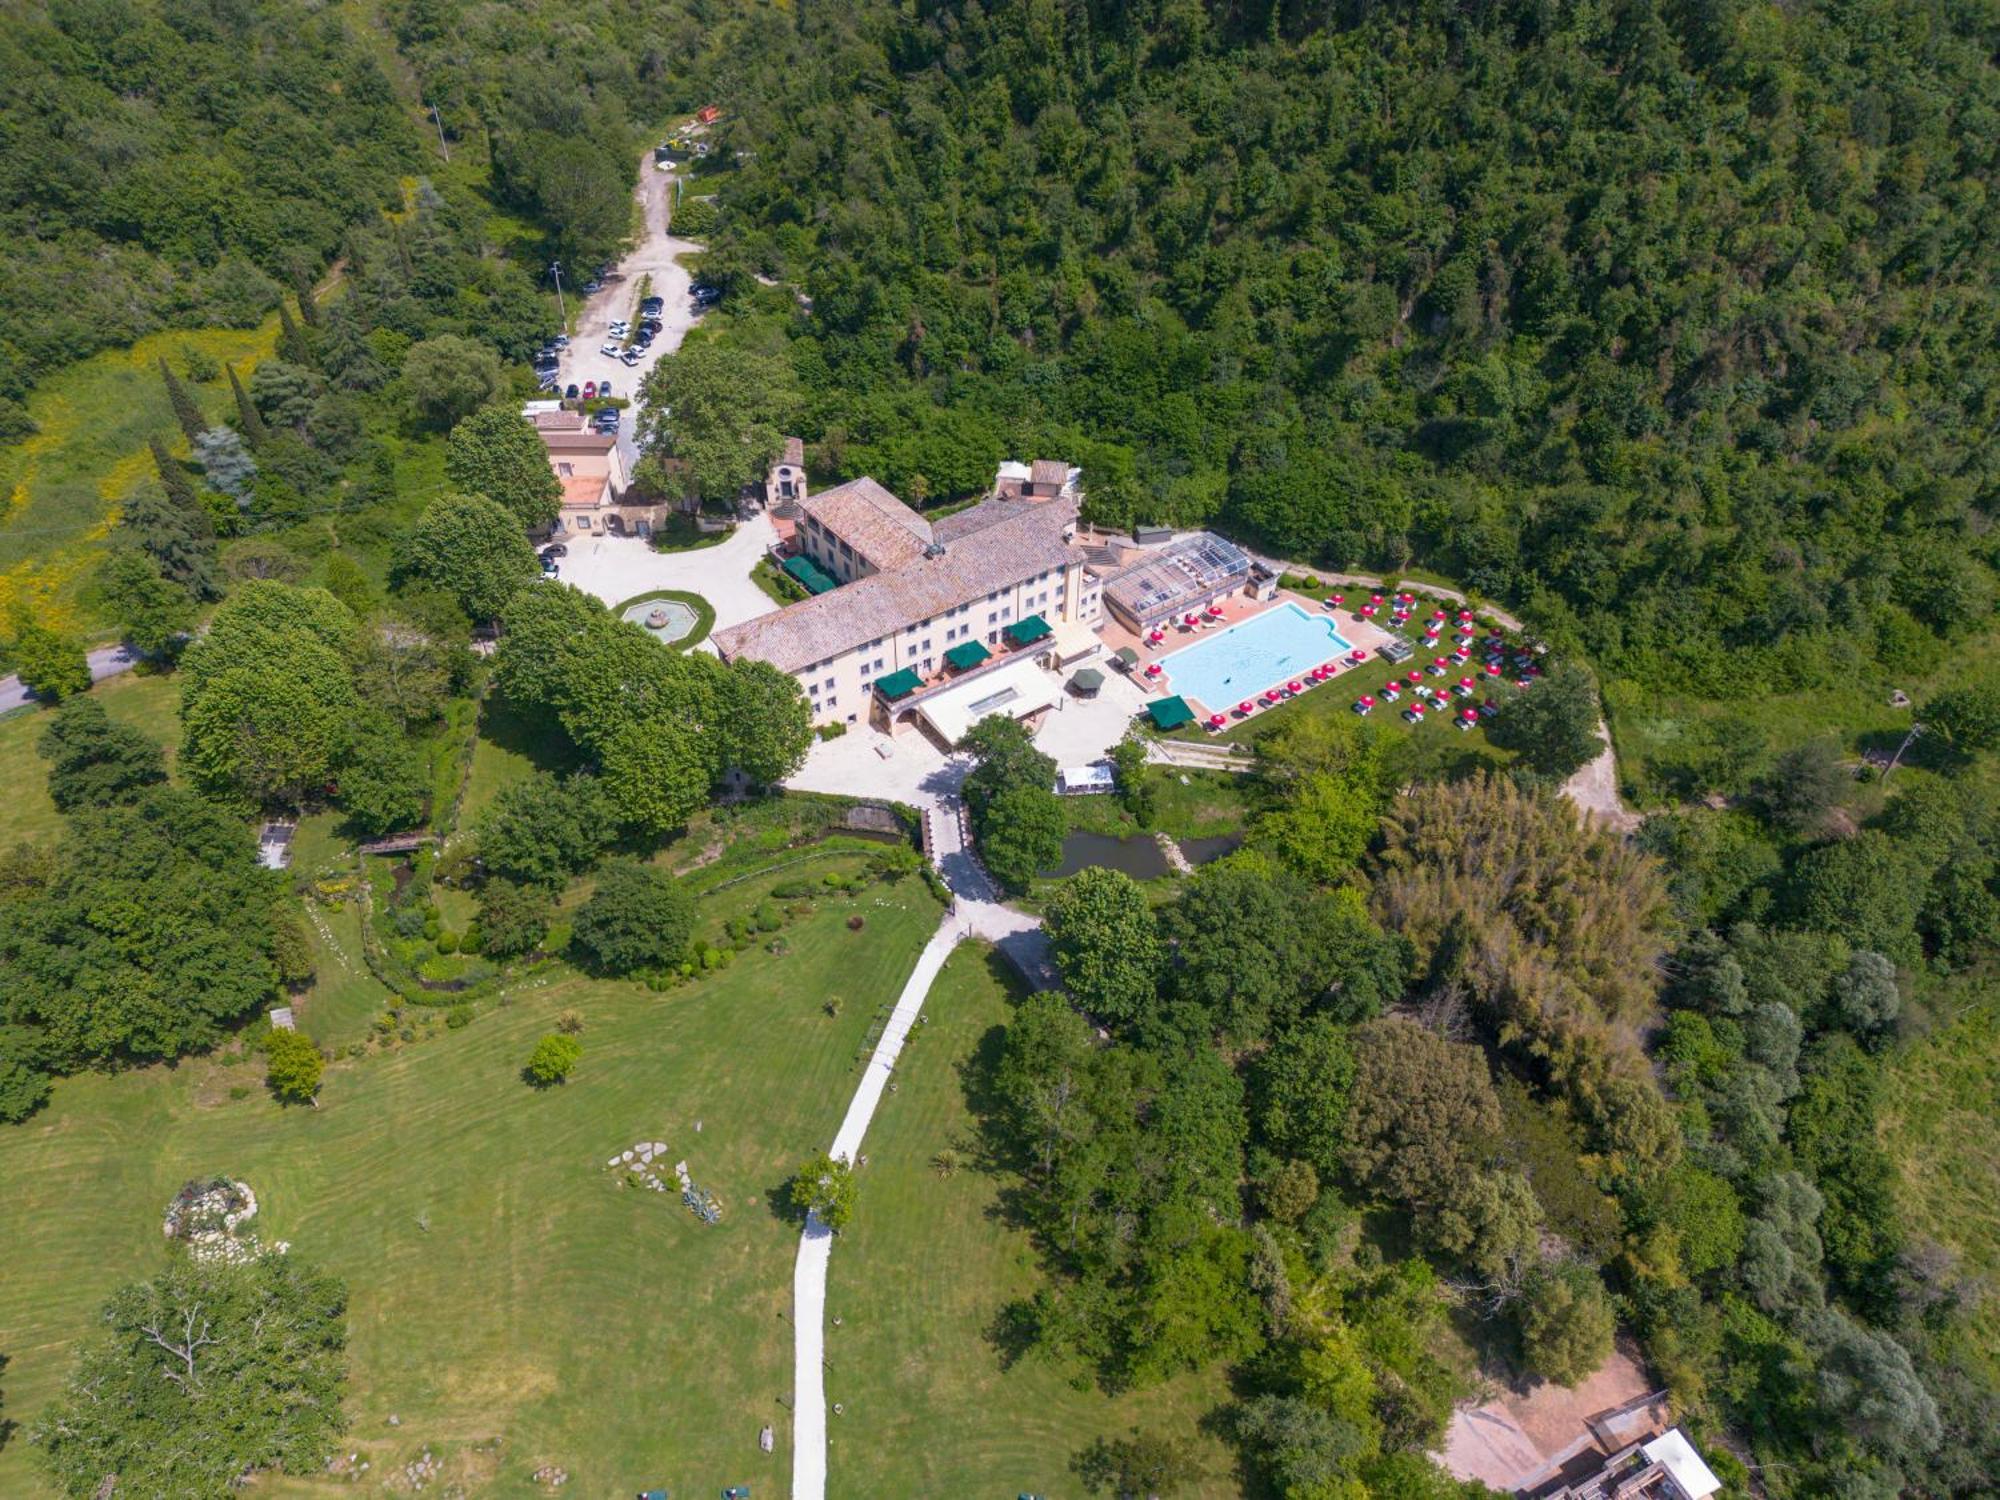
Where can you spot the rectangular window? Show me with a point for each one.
(568, 471)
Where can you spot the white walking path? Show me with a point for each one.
(976, 912)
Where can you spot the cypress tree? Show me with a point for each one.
(302, 283)
(193, 423)
(174, 479)
(292, 343)
(254, 430)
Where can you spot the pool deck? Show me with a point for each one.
(1363, 634)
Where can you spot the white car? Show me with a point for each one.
(629, 358)
(610, 351)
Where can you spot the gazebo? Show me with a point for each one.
(1170, 713)
(1086, 683)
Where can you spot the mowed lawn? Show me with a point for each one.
(152, 704)
(509, 1301)
(916, 1281)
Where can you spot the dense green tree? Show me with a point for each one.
(497, 453)
(540, 631)
(765, 724)
(540, 831)
(638, 919)
(1968, 716)
(201, 1374)
(1141, 1463)
(383, 784)
(156, 614)
(1302, 1086)
(655, 773)
(473, 549)
(266, 622)
(1422, 1114)
(293, 1066)
(1106, 944)
(513, 918)
(95, 762)
(180, 541)
(266, 733)
(448, 378)
(1566, 1324)
(1553, 725)
(1804, 784)
(553, 1059)
(1864, 997)
(824, 1187)
(1238, 936)
(729, 409)
(283, 394)
(154, 929)
(50, 664)
(1860, 888)
(1868, 1386)
(1020, 834)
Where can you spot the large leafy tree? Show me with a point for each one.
(449, 377)
(200, 1374)
(1553, 724)
(49, 663)
(496, 452)
(269, 734)
(471, 547)
(638, 918)
(154, 929)
(720, 410)
(155, 612)
(95, 761)
(1106, 943)
(765, 722)
(540, 831)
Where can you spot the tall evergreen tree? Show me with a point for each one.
(302, 284)
(174, 479)
(292, 345)
(254, 430)
(193, 423)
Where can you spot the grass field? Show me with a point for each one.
(1941, 1123)
(509, 1302)
(917, 1280)
(148, 703)
(61, 490)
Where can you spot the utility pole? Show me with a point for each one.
(1908, 739)
(435, 120)
(555, 270)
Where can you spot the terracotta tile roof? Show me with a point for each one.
(1049, 471)
(1023, 541)
(559, 421)
(794, 454)
(583, 489)
(878, 526)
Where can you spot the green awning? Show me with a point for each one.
(1023, 631)
(808, 572)
(900, 684)
(1170, 713)
(967, 655)
(1089, 680)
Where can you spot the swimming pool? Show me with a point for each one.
(1263, 652)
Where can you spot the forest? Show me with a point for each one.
(1672, 325)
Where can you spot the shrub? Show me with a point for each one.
(553, 1060)
(458, 1016)
(447, 942)
(293, 1065)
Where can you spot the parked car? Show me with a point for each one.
(603, 388)
(554, 549)
(572, 393)
(589, 390)
(548, 567)
(561, 341)
(593, 285)
(652, 307)
(630, 359)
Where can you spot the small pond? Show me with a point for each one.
(1137, 854)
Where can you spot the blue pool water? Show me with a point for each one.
(1272, 648)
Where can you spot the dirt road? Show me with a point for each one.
(656, 256)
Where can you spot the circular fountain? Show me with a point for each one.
(666, 620)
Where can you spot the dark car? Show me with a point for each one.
(554, 549)
(572, 393)
(653, 305)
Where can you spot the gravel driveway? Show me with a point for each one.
(657, 255)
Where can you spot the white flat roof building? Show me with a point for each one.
(1692, 1477)
(1019, 690)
